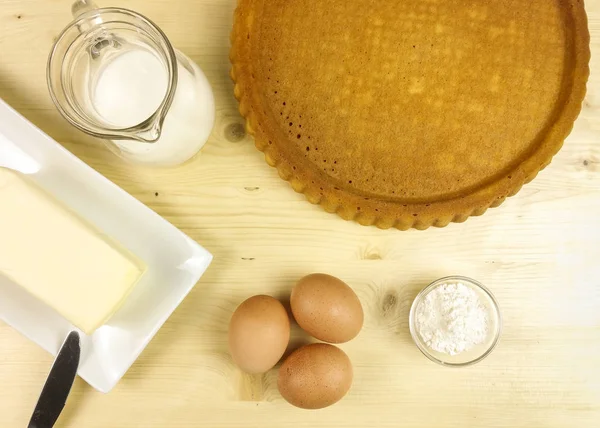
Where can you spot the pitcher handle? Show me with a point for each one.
(82, 6)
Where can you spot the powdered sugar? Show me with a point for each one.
(452, 319)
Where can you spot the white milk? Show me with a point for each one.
(130, 89)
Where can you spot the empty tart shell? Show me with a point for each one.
(409, 113)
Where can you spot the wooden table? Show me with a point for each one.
(539, 253)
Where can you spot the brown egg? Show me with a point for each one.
(259, 332)
(327, 308)
(315, 376)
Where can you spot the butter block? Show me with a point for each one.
(60, 258)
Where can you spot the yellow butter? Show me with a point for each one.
(59, 258)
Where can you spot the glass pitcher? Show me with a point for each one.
(113, 74)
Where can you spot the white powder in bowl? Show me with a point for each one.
(452, 319)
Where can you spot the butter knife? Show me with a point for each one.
(58, 385)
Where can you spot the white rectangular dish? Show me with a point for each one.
(174, 261)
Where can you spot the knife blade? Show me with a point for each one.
(58, 385)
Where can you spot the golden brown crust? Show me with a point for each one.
(375, 206)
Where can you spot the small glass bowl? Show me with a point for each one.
(475, 354)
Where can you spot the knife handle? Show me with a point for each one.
(58, 385)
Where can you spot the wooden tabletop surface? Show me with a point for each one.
(539, 253)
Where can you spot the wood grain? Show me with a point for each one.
(538, 252)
